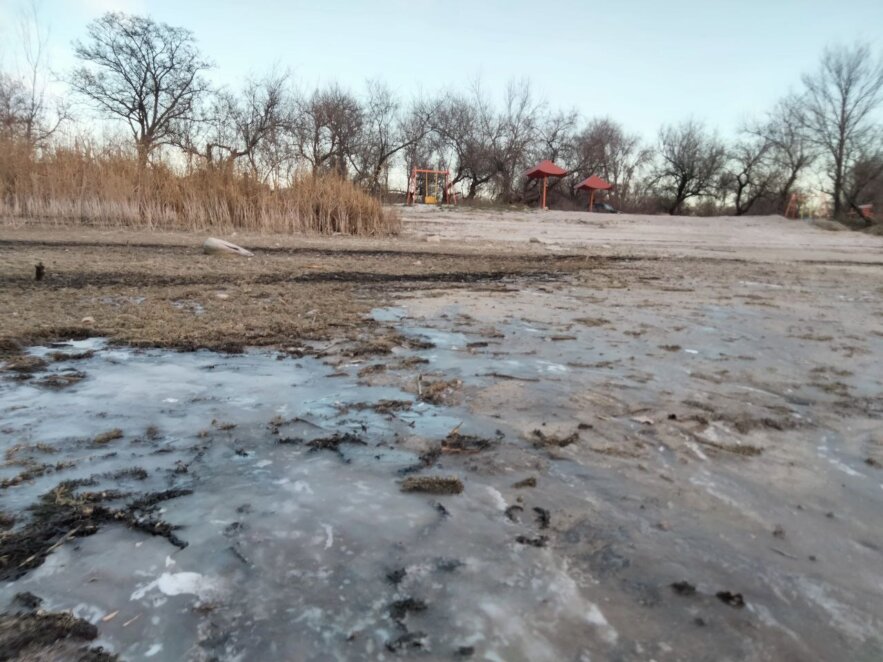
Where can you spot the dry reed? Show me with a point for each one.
(106, 188)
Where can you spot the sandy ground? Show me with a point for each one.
(663, 440)
(749, 237)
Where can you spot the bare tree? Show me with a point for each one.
(26, 110)
(146, 73)
(387, 130)
(236, 126)
(789, 149)
(751, 173)
(605, 149)
(863, 180)
(555, 139)
(691, 163)
(838, 106)
(465, 140)
(13, 107)
(511, 135)
(328, 127)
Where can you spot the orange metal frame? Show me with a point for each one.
(449, 195)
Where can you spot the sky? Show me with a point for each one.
(644, 63)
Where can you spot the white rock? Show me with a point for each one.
(213, 246)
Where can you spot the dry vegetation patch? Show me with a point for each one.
(160, 290)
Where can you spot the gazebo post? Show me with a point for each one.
(592, 184)
(544, 170)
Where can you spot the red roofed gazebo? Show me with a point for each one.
(544, 170)
(592, 184)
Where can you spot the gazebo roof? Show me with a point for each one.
(594, 182)
(545, 169)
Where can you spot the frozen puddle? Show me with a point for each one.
(291, 553)
(273, 523)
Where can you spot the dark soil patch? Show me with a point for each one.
(432, 484)
(64, 379)
(25, 365)
(75, 356)
(527, 482)
(48, 636)
(400, 609)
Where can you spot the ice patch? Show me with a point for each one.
(496, 498)
(178, 583)
(302, 487)
(596, 618)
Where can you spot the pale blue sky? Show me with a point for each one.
(642, 62)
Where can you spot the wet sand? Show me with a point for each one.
(660, 458)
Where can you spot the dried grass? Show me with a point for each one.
(84, 185)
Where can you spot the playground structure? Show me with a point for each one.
(430, 187)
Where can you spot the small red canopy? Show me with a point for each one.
(594, 182)
(545, 169)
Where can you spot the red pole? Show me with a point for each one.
(544, 193)
(591, 199)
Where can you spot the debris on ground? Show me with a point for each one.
(544, 517)
(464, 443)
(25, 365)
(61, 380)
(513, 512)
(527, 482)
(73, 356)
(683, 587)
(65, 513)
(436, 392)
(400, 609)
(542, 439)
(381, 406)
(334, 442)
(746, 450)
(48, 636)
(538, 541)
(432, 484)
(107, 437)
(733, 599)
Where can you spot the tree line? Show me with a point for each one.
(151, 78)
